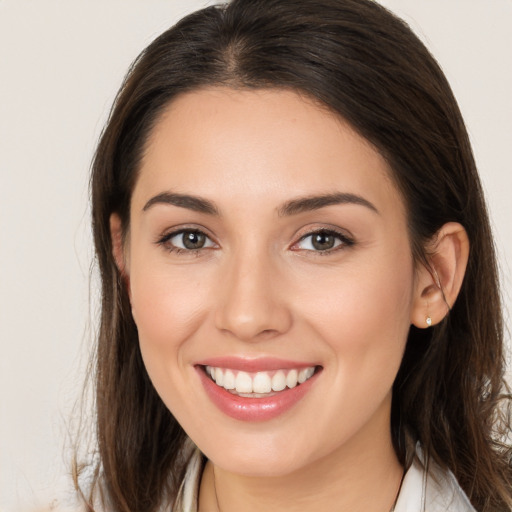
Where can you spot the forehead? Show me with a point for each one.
(264, 145)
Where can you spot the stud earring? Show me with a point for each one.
(429, 321)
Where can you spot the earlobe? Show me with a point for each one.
(116, 234)
(438, 284)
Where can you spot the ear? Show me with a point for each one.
(116, 235)
(438, 284)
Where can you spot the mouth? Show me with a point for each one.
(253, 394)
(259, 384)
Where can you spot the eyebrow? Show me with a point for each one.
(194, 203)
(293, 207)
(309, 203)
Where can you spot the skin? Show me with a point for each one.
(259, 288)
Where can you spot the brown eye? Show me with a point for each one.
(186, 240)
(323, 241)
(193, 240)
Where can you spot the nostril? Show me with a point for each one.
(268, 333)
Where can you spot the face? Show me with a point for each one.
(268, 250)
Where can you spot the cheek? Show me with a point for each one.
(162, 308)
(364, 317)
(362, 296)
(168, 307)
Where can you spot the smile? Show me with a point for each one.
(258, 384)
(257, 390)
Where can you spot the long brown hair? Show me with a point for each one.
(363, 63)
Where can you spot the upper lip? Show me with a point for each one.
(253, 364)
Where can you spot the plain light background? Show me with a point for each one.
(61, 63)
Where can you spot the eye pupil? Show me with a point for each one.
(193, 240)
(323, 241)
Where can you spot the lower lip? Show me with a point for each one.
(254, 409)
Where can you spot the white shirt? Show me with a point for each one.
(433, 491)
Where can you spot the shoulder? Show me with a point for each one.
(428, 488)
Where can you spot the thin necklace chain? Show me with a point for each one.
(392, 509)
(215, 491)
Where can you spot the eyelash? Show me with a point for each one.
(345, 240)
(164, 241)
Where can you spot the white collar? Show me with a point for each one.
(435, 490)
(432, 490)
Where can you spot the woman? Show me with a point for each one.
(300, 300)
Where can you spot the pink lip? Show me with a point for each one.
(262, 364)
(254, 409)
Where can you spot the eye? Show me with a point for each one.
(186, 240)
(323, 241)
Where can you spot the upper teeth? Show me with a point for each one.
(259, 382)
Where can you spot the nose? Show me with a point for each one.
(252, 304)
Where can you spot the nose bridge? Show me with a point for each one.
(250, 306)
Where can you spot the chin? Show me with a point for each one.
(262, 456)
(257, 467)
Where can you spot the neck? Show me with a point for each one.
(363, 475)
